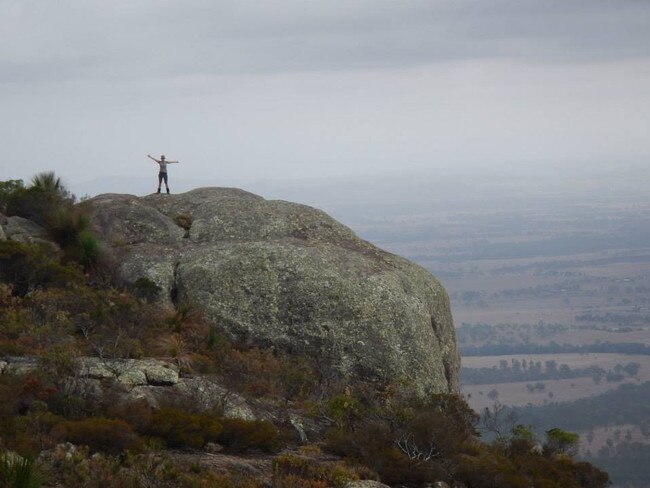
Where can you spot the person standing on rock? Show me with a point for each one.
(162, 174)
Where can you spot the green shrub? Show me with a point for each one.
(560, 441)
(99, 434)
(41, 201)
(7, 190)
(70, 228)
(146, 289)
(49, 204)
(18, 472)
(182, 429)
(30, 266)
(238, 435)
(66, 225)
(86, 251)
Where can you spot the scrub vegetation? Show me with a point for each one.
(59, 301)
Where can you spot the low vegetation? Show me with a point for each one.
(59, 304)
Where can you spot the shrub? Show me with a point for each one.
(406, 440)
(184, 221)
(559, 441)
(136, 413)
(18, 472)
(296, 471)
(30, 266)
(86, 250)
(182, 429)
(75, 469)
(146, 289)
(260, 372)
(66, 225)
(41, 201)
(7, 190)
(99, 434)
(344, 409)
(238, 435)
(49, 204)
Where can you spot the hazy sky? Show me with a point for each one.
(280, 89)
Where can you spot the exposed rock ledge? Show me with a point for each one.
(150, 379)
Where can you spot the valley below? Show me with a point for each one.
(549, 280)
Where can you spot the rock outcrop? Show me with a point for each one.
(22, 230)
(366, 484)
(153, 380)
(287, 276)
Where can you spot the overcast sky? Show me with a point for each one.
(280, 89)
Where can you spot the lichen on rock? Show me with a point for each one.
(288, 276)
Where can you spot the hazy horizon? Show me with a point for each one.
(249, 90)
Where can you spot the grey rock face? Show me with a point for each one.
(23, 230)
(129, 372)
(288, 276)
(208, 394)
(18, 365)
(366, 484)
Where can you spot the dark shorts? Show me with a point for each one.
(162, 176)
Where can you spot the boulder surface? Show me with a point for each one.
(287, 276)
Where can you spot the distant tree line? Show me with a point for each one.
(524, 370)
(505, 333)
(555, 348)
(617, 318)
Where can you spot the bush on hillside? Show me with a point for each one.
(182, 429)
(48, 203)
(291, 471)
(99, 434)
(7, 190)
(262, 372)
(239, 435)
(27, 267)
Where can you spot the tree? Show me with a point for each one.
(7, 190)
(48, 182)
(632, 368)
(41, 201)
(560, 441)
(521, 440)
(499, 420)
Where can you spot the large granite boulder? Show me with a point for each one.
(287, 276)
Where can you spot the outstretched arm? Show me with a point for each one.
(150, 157)
(173, 162)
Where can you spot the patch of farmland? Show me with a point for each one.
(518, 394)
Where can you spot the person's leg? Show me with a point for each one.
(160, 178)
(166, 180)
